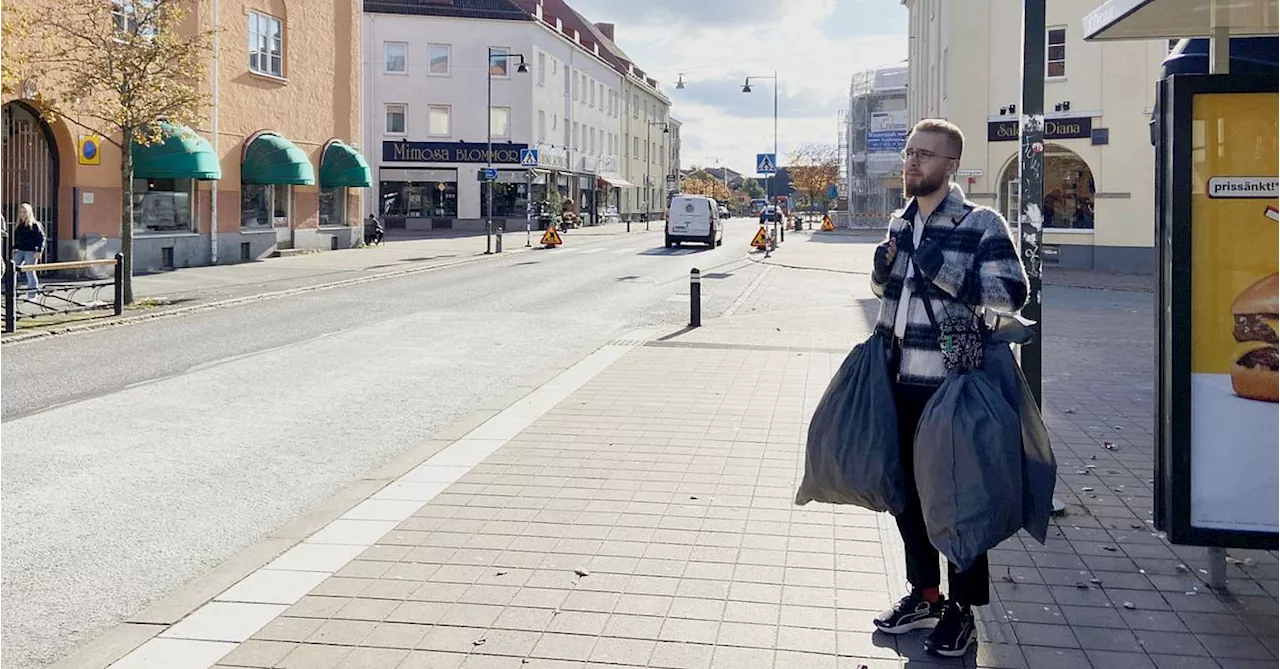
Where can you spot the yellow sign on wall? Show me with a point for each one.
(89, 150)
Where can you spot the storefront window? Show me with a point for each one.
(419, 199)
(163, 206)
(509, 200)
(1068, 190)
(333, 206)
(262, 206)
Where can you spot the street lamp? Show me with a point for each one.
(521, 68)
(746, 88)
(648, 171)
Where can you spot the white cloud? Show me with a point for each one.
(813, 57)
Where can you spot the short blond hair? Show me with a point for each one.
(943, 127)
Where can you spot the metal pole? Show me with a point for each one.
(1031, 181)
(783, 236)
(118, 307)
(648, 172)
(695, 298)
(10, 295)
(488, 156)
(528, 211)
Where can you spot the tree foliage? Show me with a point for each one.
(699, 182)
(812, 168)
(115, 68)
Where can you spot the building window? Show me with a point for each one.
(542, 126)
(592, 87)
(509, 199)
(162, 206)
(333, 206)
(395, 119)
(394, 55)
(419, 199)
(263, 207)
(1056, 53)
(498, 61)
(438, 120)
(124, 15)
(566, 134)
(569, 75)
(266, 44)
(635, 106)
(500, 121)
(636, 149)
(542, 69)
(438, 59)
(577, 135)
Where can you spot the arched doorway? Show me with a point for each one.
(1068, 190)
(29, 169)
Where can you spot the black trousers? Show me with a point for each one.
(971, 587)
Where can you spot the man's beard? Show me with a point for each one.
(923, 188)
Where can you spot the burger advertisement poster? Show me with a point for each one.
(1235, 280)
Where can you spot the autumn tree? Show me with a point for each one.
(115, 68)
(813, 168)
(700, 182)
(752, 188)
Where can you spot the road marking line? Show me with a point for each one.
(347, 534)
(746, 294)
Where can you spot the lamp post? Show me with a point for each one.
(746, 88)
(648, 170)
(521, 68)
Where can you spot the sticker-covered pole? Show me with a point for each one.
(1031, 181)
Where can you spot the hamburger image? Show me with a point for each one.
(1255, 370)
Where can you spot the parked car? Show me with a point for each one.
(724, 211)
(771, 213)
(693, 218)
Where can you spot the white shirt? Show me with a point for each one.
(904, 302)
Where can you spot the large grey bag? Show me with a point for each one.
(1039, 467)
(852, 454)
(968, 467)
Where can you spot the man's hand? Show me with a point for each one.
(885, 254)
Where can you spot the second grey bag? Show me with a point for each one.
(852, 454)
(1039, 467)
(968, 467)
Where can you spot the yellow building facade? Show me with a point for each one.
(965, 66)
(273, 165)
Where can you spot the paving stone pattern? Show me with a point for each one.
(647, 521)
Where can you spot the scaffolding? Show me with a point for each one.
(872, 174)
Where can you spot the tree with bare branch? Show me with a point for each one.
(116, 68)
(812, 169)
(699, 182)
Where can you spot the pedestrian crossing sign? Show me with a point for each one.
(766, 163)
(551, 238)
(761, 239)
(528, 157)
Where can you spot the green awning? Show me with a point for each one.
(272, 159)
(181, 154)
(342, 165)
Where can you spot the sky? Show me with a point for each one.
(815, 46)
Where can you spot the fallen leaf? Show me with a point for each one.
(581, 572)
(1110, 549)
(1068, 411)
(1087, 489)
(1096, 581)
(1082, 585)
(478, 642)
(502, 573)
(1129, 605)
(1110, 446)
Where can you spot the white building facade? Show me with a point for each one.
(877, 134)
(965, 66)
(428, 74)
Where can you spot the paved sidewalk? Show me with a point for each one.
(646, 520)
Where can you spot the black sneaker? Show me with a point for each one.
(913, 612)
(954, 633)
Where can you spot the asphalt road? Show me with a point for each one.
(137, 458)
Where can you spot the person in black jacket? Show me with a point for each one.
(28, 245)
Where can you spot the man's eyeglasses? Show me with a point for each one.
(922, 156)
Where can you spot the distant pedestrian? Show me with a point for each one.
(961, 257)
(373, 230)
(28, 245)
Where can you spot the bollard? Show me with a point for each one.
(10, 296)
(498, 243)
(695, 298)
(782, 234)
(118, 306)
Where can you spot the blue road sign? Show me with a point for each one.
(832, 192)
(528, 157)
(766, 163)
(490, 174)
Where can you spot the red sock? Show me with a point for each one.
(931, 595)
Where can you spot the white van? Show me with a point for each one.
(694, 218)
